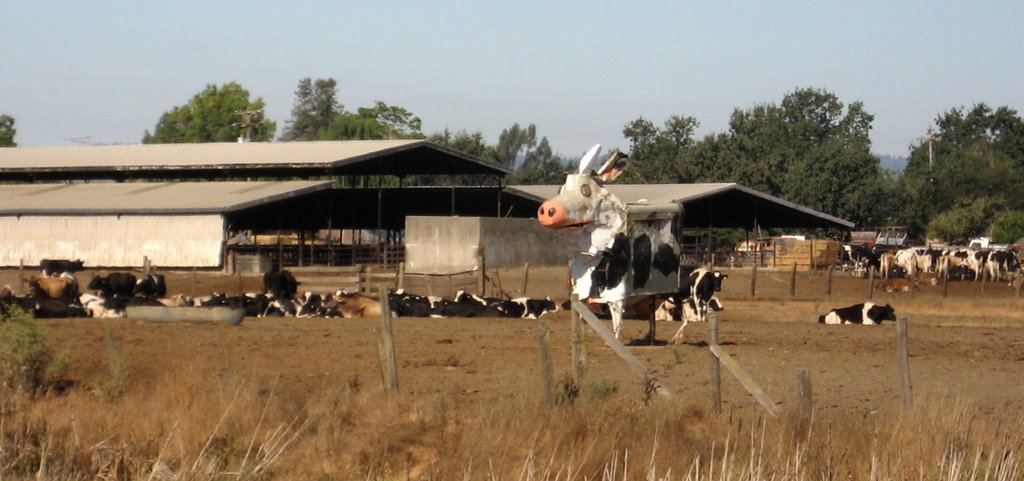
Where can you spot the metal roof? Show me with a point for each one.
(106, 198)
(251, 159)
(719, 205)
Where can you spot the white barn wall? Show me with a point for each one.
(113, 241)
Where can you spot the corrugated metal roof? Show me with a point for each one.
(395, 157)
(147, 197)
(638, 193)
(739, 207)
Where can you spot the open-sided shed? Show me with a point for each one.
(718, 205)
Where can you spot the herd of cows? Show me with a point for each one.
(56, 293)
(956, 263)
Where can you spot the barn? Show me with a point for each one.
(302, 203)
(181, 205)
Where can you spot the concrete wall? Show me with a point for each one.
(444, 245)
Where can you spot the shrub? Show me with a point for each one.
(24, 354)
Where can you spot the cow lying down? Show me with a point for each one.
(866, 313)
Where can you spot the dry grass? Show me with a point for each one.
(193, 427)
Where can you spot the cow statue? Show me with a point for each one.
(625, 253)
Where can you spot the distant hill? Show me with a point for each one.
(893, 163)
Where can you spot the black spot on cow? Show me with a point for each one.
(666, 261)
(612, 268)
(641, 260)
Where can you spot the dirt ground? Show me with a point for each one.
(967, 346)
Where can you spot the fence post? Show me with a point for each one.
(903, 357)
(359, 278)
(579, 346)
(871, 283)
(400, 282)
(480, 284)
(829, 290)
(984, 277)
(547, 383)
(386, 347)
(803, 377)
(753, 280)
(526, 277)
(21, 275)
(146, 266)
(716, 368)
(792, 282)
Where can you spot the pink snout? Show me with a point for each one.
(552, 213)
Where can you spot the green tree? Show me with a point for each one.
(395, 122)
(515, 141)
(315, 108)
(661, 155)
(966, 220)
(7, 131)
(540, 167)
(1008, 228)
(975, 153)
(217, 114)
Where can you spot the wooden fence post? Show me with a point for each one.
(480, 284)
(400, 281)
(526, 277)
(579, 346)
(803, 377)
(547, 382)
(829, 288)
(871, 282)
(21, 275)
(619, 349)
(386, 348)
(903, 357)
(792, 282)
(716, 368)
(753, 280)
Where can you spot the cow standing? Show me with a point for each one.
(702, 284)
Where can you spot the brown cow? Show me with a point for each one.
(61, 288)
(358, 305)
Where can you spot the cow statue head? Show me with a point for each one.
(600, 258)
(583, 200)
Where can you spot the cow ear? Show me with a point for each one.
(613, 167)
(589, 158)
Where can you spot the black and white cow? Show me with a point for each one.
(151, 286)
(59, 267)
(866, 313)
(1002, 265)
(114, 284)
(280, 284)
(701, 285)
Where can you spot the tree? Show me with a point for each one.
(515, 141)
(1008, 228)
(975, 153)
(315, 108)
(540, 167)
(396, 122)
(217, 114)
(7, 131)
(966, 220)
(660, 155)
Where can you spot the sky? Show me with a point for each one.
(102, 72)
